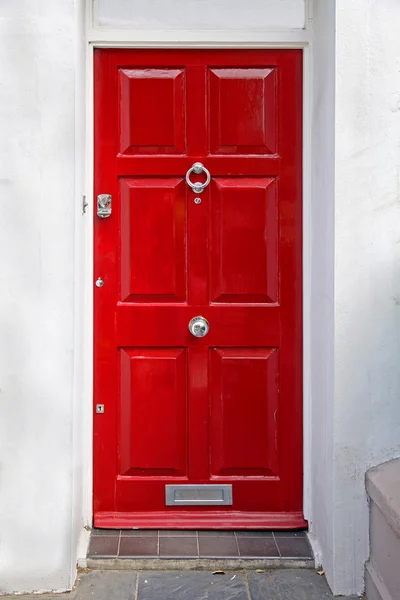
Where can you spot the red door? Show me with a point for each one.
(198, 431)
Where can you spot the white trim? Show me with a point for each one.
(87, 495)
(126, 37)
(127, 34)
(297, 40)
(200, 39)
(83, 545)
(306, 270)
(316, 550)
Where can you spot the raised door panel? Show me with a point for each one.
(153, 240)
(244, 240)
(152, 111)
(242, 111)
(244, 393)
(153, 412)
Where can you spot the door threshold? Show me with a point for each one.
(200, 520)
(198, 550)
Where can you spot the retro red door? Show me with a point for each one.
(202, 420)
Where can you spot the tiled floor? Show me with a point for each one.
(198, 544)
(288, 584)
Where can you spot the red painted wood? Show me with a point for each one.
(152, 433)
(242, 111)
(227, 407)
(204, 520)
(152, 115)
(144, 277)
(245, 224)
(252, 413)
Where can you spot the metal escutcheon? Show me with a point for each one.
(104, 205)
(199, 326)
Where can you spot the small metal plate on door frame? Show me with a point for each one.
(104, 205)
(198, 495)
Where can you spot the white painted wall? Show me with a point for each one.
(367, 269)
(319, 362)
(39, 466)
(201, 14)
(355, 376)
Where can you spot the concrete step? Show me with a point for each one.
(382, 575)
(198, 550)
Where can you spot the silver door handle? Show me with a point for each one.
(199, 326)
(197, 168)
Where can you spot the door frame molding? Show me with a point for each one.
(109, 38)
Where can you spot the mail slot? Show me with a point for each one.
(198, 495)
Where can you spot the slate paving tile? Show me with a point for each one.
(290, 584)
(294, 547)
(115, 585)
(103, 546)
(191, 586)
(213, 546)
(173, 547)
(295, 584)
(257, 547)
(133, 546)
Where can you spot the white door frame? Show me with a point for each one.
(108, 38)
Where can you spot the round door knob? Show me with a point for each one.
(199, 326)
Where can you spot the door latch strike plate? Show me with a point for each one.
(99, 409)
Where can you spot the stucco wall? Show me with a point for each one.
(355, 273)
(37, 179)
(367, 269)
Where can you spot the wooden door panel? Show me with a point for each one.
(244, 240)
(226, 408)
(152, 111)
(242, 110)
(244, 392)
(153, 412)
(153, 268)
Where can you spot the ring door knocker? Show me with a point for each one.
(198, 168)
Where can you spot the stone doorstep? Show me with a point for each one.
(374, 585)
(383, 487)
(198, 550)
(196, 564)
